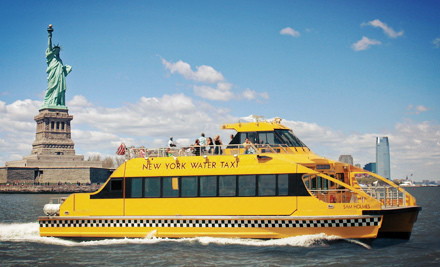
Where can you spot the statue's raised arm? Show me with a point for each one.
(49, 31)
(56, 76)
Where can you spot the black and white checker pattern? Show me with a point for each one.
(212, 223)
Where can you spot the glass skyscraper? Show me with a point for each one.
(383, 157)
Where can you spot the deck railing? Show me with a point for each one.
(389, 196)
(240, 149)
(337, 196)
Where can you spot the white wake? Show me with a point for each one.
(29, 232)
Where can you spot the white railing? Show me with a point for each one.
(389, 196)
(337, 195)
(240, 149)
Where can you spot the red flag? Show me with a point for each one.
(121, 149)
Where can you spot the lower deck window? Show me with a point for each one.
(136, 187)
(152, 187)
(208, 186)
(247, 185)
(189, 186)
(283, 184)
(227, 185)
(167, 188)
(113, 189)
(264, 185)
(267, 185)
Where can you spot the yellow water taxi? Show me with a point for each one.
(270, 187)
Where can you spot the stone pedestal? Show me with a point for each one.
(53, 135)
(53, 157)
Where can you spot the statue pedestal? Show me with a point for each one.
(53, 135)
(53, 157)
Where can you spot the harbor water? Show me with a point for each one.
(21, 245)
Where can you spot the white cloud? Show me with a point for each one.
(150, 122)
(364, 44)
(207, 74)
(251, 94)
(79, 100)
(222, 92)
(417, 109)
(290, 31)
(386, 29)
(436, 42)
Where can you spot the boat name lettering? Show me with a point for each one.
(173, 166)
(151, 166)
(193, 165)
(356, 206)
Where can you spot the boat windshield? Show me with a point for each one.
(278, 137)
(287, 137)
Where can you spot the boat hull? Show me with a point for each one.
(397, 222)
(262, 227)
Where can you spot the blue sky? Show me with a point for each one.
(339, 73)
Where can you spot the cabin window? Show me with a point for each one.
(266, 138)
(340, 177)
(227, 185)
(167, 188)
(318, 182)
(252, 136)
(241, 137)
(267, 185)
(283, 184)
(246, 185)
(152, 187)
(189, 186)
(116, 185)
(313, 182)
(136, 187)
(208, 186)
(113, 189)
(325, 182)
(288, 138)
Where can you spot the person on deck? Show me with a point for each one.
(171, 142)
(202, 141)
(196, 148)
(218, 145)
(210, 145)
(247, 145)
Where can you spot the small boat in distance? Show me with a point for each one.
(407, 183)
(271, 187)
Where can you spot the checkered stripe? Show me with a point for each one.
(251, 223)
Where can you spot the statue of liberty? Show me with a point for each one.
(56, 76)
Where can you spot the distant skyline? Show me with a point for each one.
(339, 73)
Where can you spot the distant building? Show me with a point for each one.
(383, 157)
(371, 167)
(346, 159)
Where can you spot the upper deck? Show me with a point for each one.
(256, 126)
